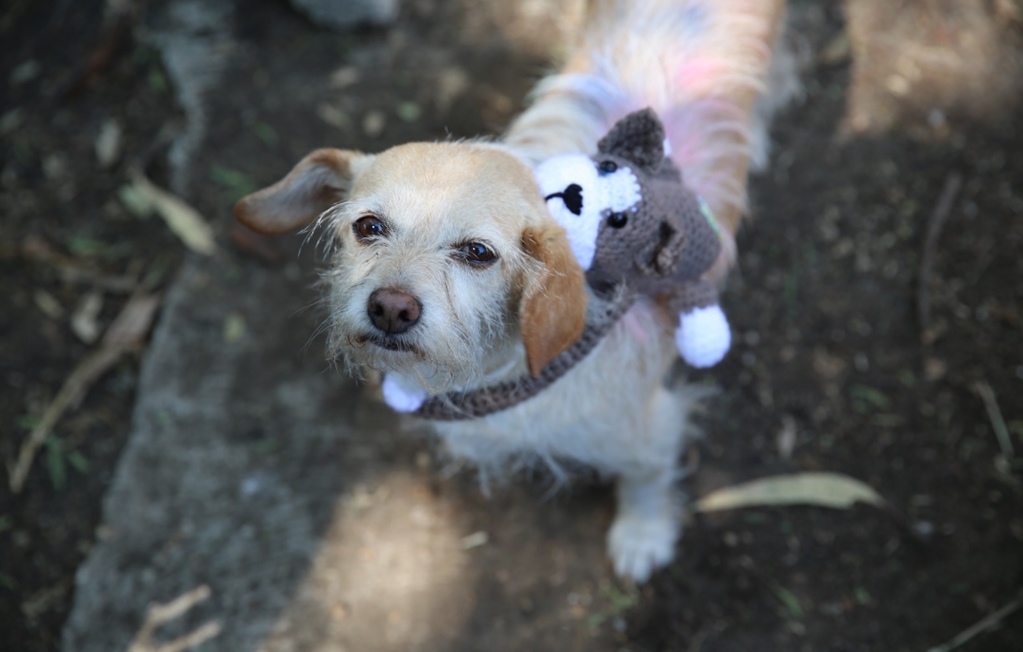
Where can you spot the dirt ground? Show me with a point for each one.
(833, 367)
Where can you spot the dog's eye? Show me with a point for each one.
(369, 227)
(617, 220)
(477, 254)
(607, 167)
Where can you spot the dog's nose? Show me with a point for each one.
(393, 311)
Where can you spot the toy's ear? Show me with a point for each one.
(638, 137)
(663, 258)
(319, 181)
(553, 311)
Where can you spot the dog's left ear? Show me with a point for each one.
(553, 311)
(319, 181)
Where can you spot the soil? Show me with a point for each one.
(832, 367)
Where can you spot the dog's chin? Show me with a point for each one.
(436, 372)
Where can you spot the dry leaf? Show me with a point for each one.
(817, 488)
(108, 143)
(183, 220)
(452, 82)
(333, 116)
(344, 77)
(25, 72)
(48, 304)
(10, 121)
(373, 123)
(136, 201)
(474, 540)
(84, 321)
(787, 437)
(234, 327)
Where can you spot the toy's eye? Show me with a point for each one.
(617, 220)
(369, 227)
(607, 167)
(477, 254)
(572, 196)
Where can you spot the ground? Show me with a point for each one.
(833, 367)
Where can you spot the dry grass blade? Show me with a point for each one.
(935, 224)
(183, 220)
(126, 333)
(980, 626)
(994, 414)
(822, 489)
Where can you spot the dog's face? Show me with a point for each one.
(446, 263)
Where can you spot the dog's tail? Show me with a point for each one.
(700, 64)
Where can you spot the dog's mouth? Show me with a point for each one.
(389, 343)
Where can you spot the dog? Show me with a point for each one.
(449, 275)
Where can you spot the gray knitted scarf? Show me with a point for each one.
(455, 406)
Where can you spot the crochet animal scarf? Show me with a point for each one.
(634, 224)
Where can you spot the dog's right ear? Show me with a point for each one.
(319, 181)
(553, 311)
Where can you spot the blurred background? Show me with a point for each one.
(877, 310)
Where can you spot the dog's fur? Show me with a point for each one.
(701, 64)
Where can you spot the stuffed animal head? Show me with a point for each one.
(627, 213)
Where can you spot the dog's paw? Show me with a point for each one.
(401, 395)
(703, 336)
(640, 544)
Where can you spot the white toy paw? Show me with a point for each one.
(639, 544)
(402, 395)
(703, 336)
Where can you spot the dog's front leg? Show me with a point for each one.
(647, 525)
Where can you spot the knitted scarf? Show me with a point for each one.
(455, 406)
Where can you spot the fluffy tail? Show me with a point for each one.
(700, 64)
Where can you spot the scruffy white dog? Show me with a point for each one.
(451, 276)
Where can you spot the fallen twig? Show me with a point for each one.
(160, 614)
(978, 627)
(935, 224)
(123, 336)
(994, 414)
